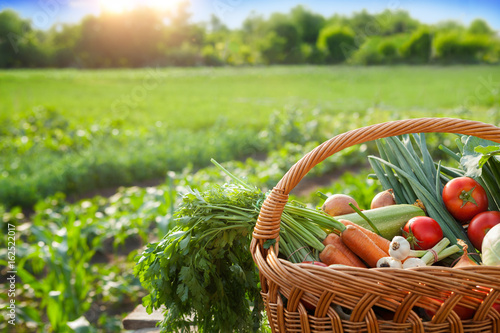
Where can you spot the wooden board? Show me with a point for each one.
(140, 319)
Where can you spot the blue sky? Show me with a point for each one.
(44, 13)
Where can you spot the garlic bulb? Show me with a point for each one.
(399, 248)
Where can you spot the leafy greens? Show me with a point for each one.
(202, 269)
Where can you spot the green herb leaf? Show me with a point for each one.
(268, 243)
(476, 153)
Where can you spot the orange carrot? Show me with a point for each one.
(377, 239)
(335, 240)
(333, 255)
(362, 245)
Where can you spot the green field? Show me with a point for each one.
(77, 131)
(199, 97)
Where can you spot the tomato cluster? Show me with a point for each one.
(467, 202)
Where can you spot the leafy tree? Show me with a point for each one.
(480, 27)
(449, 25)
(271, 48)
(338, 42)
(64, 41)
(254, 26)
(124, 40)
(388, 50)
(20, 45)
(453, 47)
(312, 55)
(368, 53)
(418, 48)
(396, 22)
(307, 23)
(216, 25)
(364, 24)
(282, 41)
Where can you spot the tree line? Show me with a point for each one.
(146, 37)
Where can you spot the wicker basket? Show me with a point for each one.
(346, 299)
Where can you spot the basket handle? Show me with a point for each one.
(268, 222)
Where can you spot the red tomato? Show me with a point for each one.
(422, 232)
(480, 225)
(464, 198)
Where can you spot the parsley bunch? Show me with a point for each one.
(202, 271)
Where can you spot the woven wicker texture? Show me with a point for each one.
(344, 299)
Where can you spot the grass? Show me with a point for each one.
(199, 97)
(76, 131)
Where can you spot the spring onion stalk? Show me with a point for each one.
(286, 247)
(319, 218)
(408, 163)
(417, 253)
(407, 190)
(452, 172)
(322, 195)
(439, 185)
(448, 252)
(233, 177)
(313, 228)
(432, 254)
(300, 231)
(300, 250)
(387, 180)
(389, 176)
(360, 213)
(449, 152)
(460, 145)
(428, 162)
(489, 180)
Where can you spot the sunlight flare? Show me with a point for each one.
(116, 6)
(120, 6)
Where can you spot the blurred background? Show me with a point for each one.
(131, 33)
(110, 110)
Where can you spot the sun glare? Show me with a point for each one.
(163, 4)
(115, 6)
(120, 6)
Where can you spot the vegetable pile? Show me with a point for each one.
(462, 199)
(202, 272)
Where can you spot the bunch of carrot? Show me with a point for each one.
(355, 246)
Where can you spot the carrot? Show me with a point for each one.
(333, 255)
(362, 245)
(377, 239)
(335, 240)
